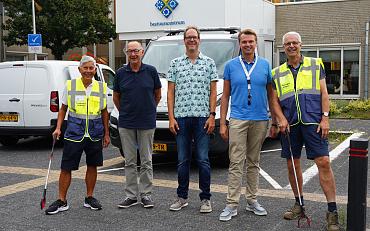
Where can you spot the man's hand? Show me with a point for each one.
(324, 127)
(283, 125)
(274, 131)
(210, 124)
(56, 134)
(224, 132)
(106, 140)
(174, 127)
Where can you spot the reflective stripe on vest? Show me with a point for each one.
(98, 90)
(85, 111)
(307, 88)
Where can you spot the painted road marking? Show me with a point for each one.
(313, 171)
(265, 175)
(110, 169)
(269, 179)
(80, 174)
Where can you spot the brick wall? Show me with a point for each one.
(334, 22)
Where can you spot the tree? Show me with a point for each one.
(64, 24)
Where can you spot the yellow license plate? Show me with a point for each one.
(8, 118)
(159, 147)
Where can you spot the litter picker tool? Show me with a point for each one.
(303, 215)
(43, 200)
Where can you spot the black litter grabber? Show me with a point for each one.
(303, 215)
(43, 200)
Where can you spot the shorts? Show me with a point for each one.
(72, 153)
(304, 135)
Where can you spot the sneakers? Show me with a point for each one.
(332, 219)
(205, 206)
(256, 208)
(127, 203)
(293, 213)
(147, 202)
(228, 213)
(179, 204)
(56, 207)
(92, 203)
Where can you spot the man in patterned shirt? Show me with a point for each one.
(191, 99)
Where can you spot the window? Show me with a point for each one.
(332, 64)
(14, 57)
(350, 72)
(160, 53)
(42, 57)
(341, 68)
(108, 78)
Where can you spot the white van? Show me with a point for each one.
(30, 94)
(221, 44)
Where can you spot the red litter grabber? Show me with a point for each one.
(43, 200)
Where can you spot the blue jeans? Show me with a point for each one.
(192, 128)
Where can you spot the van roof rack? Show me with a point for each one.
(231, 30)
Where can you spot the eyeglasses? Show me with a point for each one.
(191, 38)
(294, 43)
(135, 51)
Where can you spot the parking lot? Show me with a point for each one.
(23, 169)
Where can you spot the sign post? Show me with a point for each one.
(35, 43)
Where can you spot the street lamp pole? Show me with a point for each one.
(1, 33)
(34, 21)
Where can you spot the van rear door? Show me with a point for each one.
(11, 95)
(37, 97)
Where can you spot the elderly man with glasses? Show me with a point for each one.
(136, 94)
(301, 106)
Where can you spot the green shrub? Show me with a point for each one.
(357, 105)
(334, 108)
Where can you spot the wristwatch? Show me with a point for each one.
(325, 113)
(212, 113)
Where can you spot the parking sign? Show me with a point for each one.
(35, 43)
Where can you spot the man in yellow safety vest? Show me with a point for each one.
(301, 106)
(87, 130)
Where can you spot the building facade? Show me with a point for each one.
(336, 32)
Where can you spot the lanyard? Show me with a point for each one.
(248, 75)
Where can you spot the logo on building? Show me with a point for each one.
(166, 7)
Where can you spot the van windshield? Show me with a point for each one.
(160, 53)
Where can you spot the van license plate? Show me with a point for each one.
(159, 147)
(8, 118)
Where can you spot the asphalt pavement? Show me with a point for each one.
(23, 169)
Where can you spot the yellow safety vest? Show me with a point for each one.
(84, 115)
(303, 103)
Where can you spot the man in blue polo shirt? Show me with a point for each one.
(247, 79)
(137, 91)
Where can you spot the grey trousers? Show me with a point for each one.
(137, 183)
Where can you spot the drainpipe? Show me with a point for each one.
(1, 33)
(367, 61)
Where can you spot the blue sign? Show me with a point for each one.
(166, 6)
(34, 40)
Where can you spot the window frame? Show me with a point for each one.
(341, 48)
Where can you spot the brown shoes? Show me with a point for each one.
(332, 219)
(293, 213)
